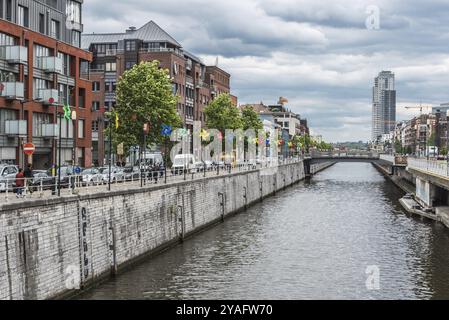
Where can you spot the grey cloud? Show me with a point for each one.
(317, 53)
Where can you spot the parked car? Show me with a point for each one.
(131, 173)
(117, 174)
(91, 176)
(41, 179)
(7, 176)
(184, 162)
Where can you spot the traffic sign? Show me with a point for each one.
(28, 149)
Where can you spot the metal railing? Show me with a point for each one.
(36, 188)
(438, 167)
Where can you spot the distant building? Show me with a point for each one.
(283, 118)
(384, 105)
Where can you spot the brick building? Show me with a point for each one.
(195, 83)
(40, 63)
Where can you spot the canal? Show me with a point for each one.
(312, 241)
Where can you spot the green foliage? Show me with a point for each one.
(221, 114)
(144, 95)
(251, 119)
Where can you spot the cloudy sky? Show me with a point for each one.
(319, 54)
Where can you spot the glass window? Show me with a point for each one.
(95, 86)
(55, 31)
(9, 10)
(111, 66)
(130, 45)
(81, 129)
(6, 40)
(38, 120)
(94, 126)
(76, 38)
(6, 114)
(22, 16)
(95, 105)
(41, 23)
(73, 11)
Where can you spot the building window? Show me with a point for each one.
(95, 105)
(130, 45)
(94, 126)
(41, 23)
(129, 65)
(55, 29)
(9, 10)
(73, 11)
(76, 38)
(95, 86)
(5, 115)
(81, 128)
(111, 66)
(38, 120)
(65, 63)
(22, 16)
(6, 40)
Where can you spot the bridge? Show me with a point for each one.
(343, 156)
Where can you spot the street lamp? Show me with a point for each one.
(447, 142)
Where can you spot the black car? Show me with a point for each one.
(42, 179)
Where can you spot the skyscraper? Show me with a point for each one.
(384, 104)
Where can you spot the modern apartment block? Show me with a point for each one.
(113, 53)
(40, 63)
(384, 105)
(282, 118)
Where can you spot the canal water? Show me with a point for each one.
(343, 235)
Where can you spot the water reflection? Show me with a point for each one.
(313, 241)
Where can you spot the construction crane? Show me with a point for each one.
(420, 107)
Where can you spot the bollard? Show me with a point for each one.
(41, 189)
(7, 188)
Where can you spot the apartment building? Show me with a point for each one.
(40, 63)
(193, 82)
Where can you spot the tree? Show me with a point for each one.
(251, 119)
(144, 95)
(398, 146)
(221, 114)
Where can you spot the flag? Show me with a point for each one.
(116, 121)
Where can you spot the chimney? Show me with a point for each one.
(131, 29)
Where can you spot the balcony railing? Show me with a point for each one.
(175, 51)
(50, 130)
(48, 96)
(12, 90)
(50, 64)
(14, 54)
(16, 127)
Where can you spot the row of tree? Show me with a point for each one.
(145, 97)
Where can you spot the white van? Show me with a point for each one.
(185, 162)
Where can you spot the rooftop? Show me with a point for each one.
(149, 32)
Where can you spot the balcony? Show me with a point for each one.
(14, 54)
(16, 127)
(50, 130)
(12, 90)
(48, 96)
(50, 64)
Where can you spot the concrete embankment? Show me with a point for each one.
(401, 182)
(52, 248)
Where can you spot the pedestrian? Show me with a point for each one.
(28, 174)
(20, 183)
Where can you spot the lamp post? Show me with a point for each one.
(447, 142)
(146, 129)
(110, 151)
